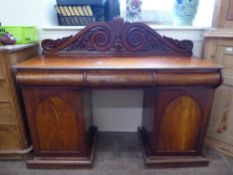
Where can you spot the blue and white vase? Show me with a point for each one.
(184, 11)
(133, 10)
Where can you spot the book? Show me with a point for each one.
(74, 18)
(75, 15)
(90, 10)
(80, 10)
(62, 10)
(69, 19)
(76, 11)
(71, 10)
(63, 16)
(61, 20)
(67, 11)
(81, 2)
(86, 13)
(58, 10)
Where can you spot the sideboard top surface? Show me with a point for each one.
(146, 62)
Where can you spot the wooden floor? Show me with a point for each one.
(120, 154)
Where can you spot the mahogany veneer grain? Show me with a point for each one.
(118, 63)
(178, 93)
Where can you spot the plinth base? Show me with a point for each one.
(169, 161)
(65, 162)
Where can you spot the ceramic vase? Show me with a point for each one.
(133, 10)
(184, 11)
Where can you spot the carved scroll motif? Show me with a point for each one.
(117, 38)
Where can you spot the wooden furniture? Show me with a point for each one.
(13, 138)
(223, 14)
(219, 49)
(178, 92)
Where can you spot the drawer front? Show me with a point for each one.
(6, 113)
(2, 71)
(4, 84)
(9, 138)
(5, 93)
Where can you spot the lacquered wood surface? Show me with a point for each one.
(178, 92)
(56, 121)
(117, 38)
(179, 125)
(176, 119)
(147, 62)
(55, 118)
(118, 78)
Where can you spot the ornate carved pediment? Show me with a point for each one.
(117, 38)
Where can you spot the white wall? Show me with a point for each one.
(23, 12)
(113, 110)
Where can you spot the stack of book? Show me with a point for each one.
(80, 12)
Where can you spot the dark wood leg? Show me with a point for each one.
(174, 126)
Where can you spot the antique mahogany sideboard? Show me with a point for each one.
(178, 94)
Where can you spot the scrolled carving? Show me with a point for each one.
(95, 39)
(138, 37)
(135, 39)
(101, 39)
(50, 44)
(183, 45)
(117, 38)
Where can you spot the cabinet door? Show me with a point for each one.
(181, 119)
(56, 120)
(220, 129)
(224, 14)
